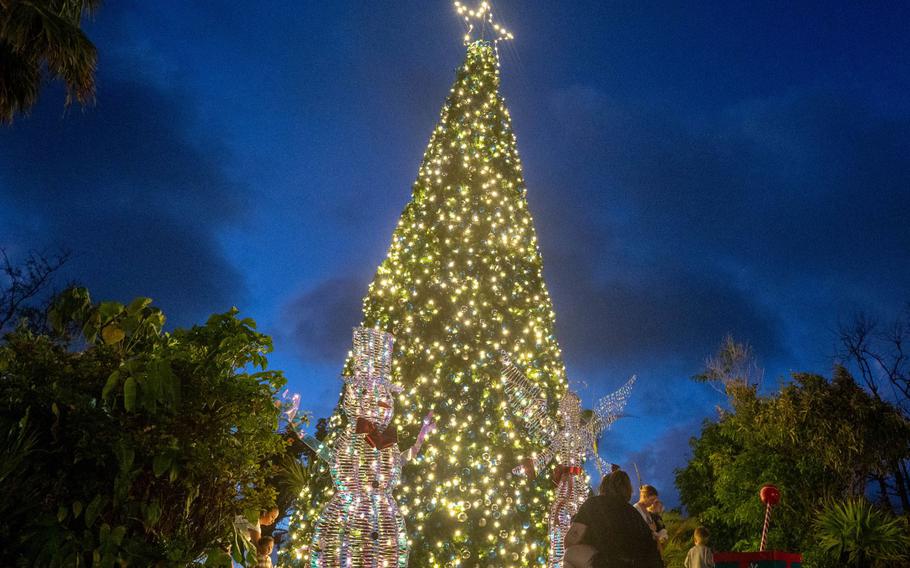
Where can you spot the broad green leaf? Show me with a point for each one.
(130, 323)
(93, 509)
(138, 304)
(156, 319)
(163, 384)
(152, 512)
(121, 487)
(125, 455)
(77, 508)
(217, 558)
(112, 333)
(91, 325)
(151, 386)
(129, 394)
(109, 310)
(113, 381)
(160, 464)
(117, 534)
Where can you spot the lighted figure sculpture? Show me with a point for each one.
(570, 441)
(361, 526)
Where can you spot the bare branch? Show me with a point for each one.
(734, 365)
(880, 354)
(19, 284)
(855, 338)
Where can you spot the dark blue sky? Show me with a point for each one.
(693, 169)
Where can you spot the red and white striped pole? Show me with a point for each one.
(770, 496)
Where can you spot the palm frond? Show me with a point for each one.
(44, 35)
(35, 31)
(856, 532)
(20, 80)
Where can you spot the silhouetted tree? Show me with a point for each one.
(879, 352)
(21, 284)
(42, 40)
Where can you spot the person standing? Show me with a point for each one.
(700, 556)
(647, 497)
(608, 532)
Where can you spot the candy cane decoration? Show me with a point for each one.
(770, 496)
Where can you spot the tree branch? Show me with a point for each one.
(25, 282)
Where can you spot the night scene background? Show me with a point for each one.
(693, 169)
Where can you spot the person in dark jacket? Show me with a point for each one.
(607, 532)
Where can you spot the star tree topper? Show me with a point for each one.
(484, 15)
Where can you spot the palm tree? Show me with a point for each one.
(857, 534)
(42, 39)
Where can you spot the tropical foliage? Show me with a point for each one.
(40, 40)
(816, 439)
(854, 533)
(129, 444)
(679, 531)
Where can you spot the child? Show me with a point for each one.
(660, 529)
(264, 552)
(647, 496)
(700, 556)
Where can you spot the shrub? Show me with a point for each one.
(142, 445)
(856, 534)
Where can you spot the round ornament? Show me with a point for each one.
(769, 494)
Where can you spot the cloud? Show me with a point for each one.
(798, 181)
(660, 312)
(657, 463)
(660, 236)
(319, 321)
(136, 187)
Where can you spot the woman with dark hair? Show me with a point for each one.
(607, 532)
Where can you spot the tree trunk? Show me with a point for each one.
(884, 497)
(900, 477)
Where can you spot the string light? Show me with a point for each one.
(362, 526)
(463, 278)
(568, 440)
(484, 15)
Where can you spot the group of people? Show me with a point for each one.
(609, 532)
(253, 533)
(606, 532)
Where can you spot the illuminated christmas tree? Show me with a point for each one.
(462, 281)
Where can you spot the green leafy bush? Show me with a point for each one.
(679, 532)
(854, 533)
(814, 439)
(131, 446)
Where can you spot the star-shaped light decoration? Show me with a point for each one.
(483, 14)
